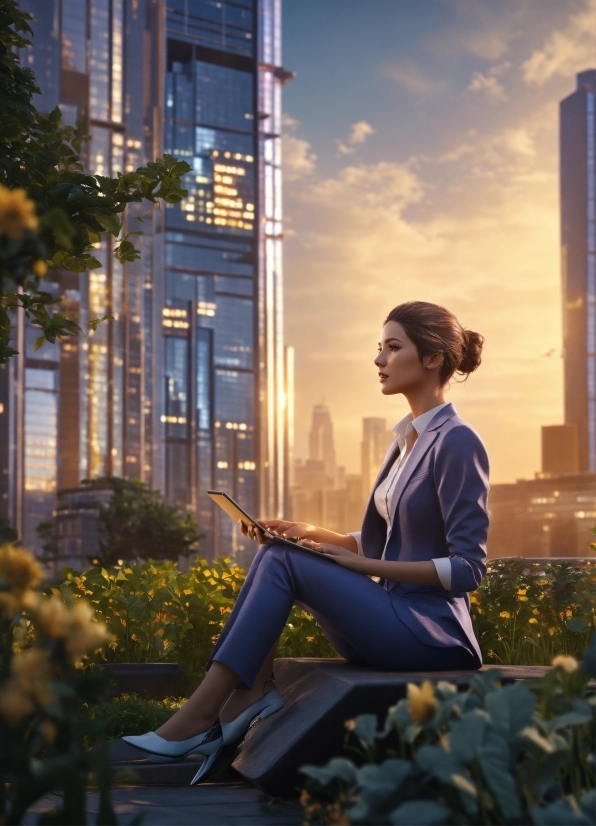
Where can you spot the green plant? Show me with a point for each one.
(518, 754)
(52, 212)
(154, 612)
(525, 612)
(129, 714)
(42, 695)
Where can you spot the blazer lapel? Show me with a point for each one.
(419, 451)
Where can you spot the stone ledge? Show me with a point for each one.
(320, 694)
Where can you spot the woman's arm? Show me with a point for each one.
(419, 573)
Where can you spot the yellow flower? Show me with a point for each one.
(350, 724)
(29, 684)
(505, 615)
(533, 620)
(421, 701)
(40, 268)
(17, 213)
(19, 569)
(74, 624)
(566, 662)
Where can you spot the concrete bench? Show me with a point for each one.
(319, 694)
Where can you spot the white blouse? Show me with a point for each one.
(407, 432)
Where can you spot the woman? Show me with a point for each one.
(394, 596)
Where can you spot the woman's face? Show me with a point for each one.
(398, 362)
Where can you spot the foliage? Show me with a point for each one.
(515, 754)
(42, 695)
(129, 714)
(52, 213)
(524, 612)
(156, 613)
(138, 523)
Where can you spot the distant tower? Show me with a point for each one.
(321, 446)
(578, 248)
(375, 441)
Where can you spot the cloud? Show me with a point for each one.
(487, 84)
(486, 247)
(566, 50)
(411, 79)
(482, 30)
(299, 160)
(358, 134)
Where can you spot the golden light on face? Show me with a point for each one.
(398, 363)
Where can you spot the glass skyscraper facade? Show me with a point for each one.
(578, 256)
(186, 388)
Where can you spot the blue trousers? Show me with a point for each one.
(355, 614)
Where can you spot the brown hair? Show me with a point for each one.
(434, 329)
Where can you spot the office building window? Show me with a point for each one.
(99, 91)
(74, 35)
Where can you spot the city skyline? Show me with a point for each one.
(421, 161)
(184, 387)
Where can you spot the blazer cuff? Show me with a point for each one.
(443, 566)
(358, 541)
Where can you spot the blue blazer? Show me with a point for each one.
(439, 509)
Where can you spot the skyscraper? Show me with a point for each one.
(376, 439)
(321, 446)
(578, 256)
(185, 388)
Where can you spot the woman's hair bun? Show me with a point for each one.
(472, 352)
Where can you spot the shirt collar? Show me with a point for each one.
(420, 423)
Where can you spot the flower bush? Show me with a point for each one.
(518, 754)
(525, 613)
(154, 613)
(43, 692)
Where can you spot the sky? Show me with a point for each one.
(421, 162)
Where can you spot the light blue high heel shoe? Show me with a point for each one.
(207, 743)
(234, 731)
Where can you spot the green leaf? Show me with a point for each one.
(366, 728)
(109, 221)
(419, 813)
(95, 322)
(337, 769)
(467, 735)
(494, 763)
(577, 624)
(511, 709)
(39, 342)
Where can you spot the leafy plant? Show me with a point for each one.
(518, 754)
(129, 714)
(42, 695)
(525, 612)
(138, 523)
(52, 212)
(154, 612)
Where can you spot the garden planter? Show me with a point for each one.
(154, 680)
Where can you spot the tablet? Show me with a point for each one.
(237, 513)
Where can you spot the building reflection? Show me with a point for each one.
(186, 387)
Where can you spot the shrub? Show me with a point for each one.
(129, 714)
(525, 612)
(42, 695)
(518, 754)
(156, 613)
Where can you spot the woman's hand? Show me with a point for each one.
(254, 533)
(343, 557)
(290, 530)
(277, 527)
